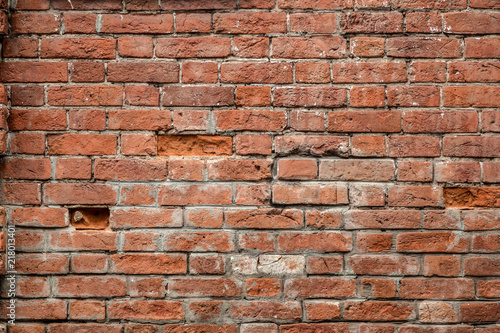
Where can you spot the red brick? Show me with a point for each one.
(34, 263)
(199, 242)
(206, 264)
(267, 218)
(425, 71)
(414, 196)
(436, 288)
(379, 288)
(374, 170)
(471, 96)
(87, 310)
(324, 287)
(489, 289)
(481, 220)
(368, 145)
(372, 22)
(20, 48)
(434, 4)
(474, 72)
(193, 47)
(35, 23)
(440, 121)
(85, 5)
(32, 286)
(26, 95)
(491, 172)
(78, 23)
(412, 96)
(372, 4)
(369, 72)
(135, 47)
(34, 72)
(72, 328)
(378, 311)
(471, 23)
(322, 47)
(194, 145)
(423, 47)
(137, 170)
(137, 195)
(78, 48)
(297, 169)
(19, 168)
(275, 73)
(157, 310)
(311, 145)
(312, 72)
(186, 169)
(262, 287)
(190, 120)
(384, 265)
(141, 5)
(253, 144)
(423, 22)
(203, 194)
(251, 47)
(87, 72)
(447, 219)
(432, 242)
(142, 95)
(145, 218)
(437, 312)
(382, 219)
(32, 5)
(417, 171)
(310, 97)
(320, 310)
(94, 286)
(318, 23)
(486, 243)
(85, 95)
(85, 119)
(480, 312)
(139, 24)
(491, 121)
(370, 242)
(239, 169)
(251, 120)
(34, 309)
(367, 47)
(20, 193)
(324, 264)
(313, 327)
(471, 146)
(367, 195)
(142, 263)
(482, 47)
(482, 266)
(322, 242)
(82, 144)
(472, 196)
(141, 241)
(367, 97)
(80, 194)
(40, 217)
(267, 4)
(315, 194)
(461, 172)
(37, 120)
(250, 23)
(138, 144)
(262, 241)
(209, 287)
(253, 96)
(166, 72)
(315, 4)
(414, 146)
(364, 121)
(89, 263)
(264, 310)
(197, 96)
(84, 240)
(186, 22)
(199, 72)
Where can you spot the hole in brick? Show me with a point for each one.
(89, 218)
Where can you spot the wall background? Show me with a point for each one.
(252, 166)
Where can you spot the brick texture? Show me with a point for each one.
(251, 166)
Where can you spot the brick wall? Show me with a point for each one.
(252, 166)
